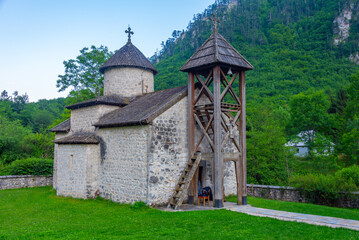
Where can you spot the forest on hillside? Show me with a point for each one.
(303, 80)
(304, 87)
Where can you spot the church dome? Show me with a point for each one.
(128, 56)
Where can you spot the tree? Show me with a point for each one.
(12, 143)
(352, 108)
(309, 116)
(4, 95)
(83, 73)
(269, 160)
(348, 144)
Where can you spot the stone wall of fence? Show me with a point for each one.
(11, 182)
(294, 195)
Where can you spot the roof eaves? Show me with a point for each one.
(184, 68)
(78, 138)
(165, 106)
(62, 129)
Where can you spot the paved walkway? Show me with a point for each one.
(295, 217)
(281, 215)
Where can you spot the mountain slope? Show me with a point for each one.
(294, 45)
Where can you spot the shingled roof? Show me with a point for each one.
(62, 127)
(79, 138)
(144, 109)
(216, 50)
(112, 100)
(128, 56)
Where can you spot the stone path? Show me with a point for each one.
(281, 215)
(295, 217)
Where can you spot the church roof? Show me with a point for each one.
(144, 109)
(128, 56)
(62, 127)
(112, 100)
(216, 50)
(79, 138)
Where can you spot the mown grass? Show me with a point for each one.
(37, 213)
(308, 208)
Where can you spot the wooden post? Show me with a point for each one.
(242, 133)
(191, 132)
(218, 163)
(237, 165)
(195, 186)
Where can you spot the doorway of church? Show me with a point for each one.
(203, 188)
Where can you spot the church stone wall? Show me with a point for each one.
(124, 164)
(56, 159)
(77, 170)
(168, 152)
(128, 82)
(230, 183)
(82, 119)
(168, 155)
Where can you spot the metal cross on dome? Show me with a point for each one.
(215, 20)
(129, 32)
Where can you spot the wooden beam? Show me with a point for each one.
(205, 87)
(191, 131)
(231, 90)
(228, 86)
(208, 80)
(218, 162)
(227, 156)
(238, 170)
(204, 131)
(242, 136)
(195, 180)
(234, 140)
(203, 135)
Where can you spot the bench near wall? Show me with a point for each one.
(24, 181)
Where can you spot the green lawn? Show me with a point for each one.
(348, 213)
(37, 213)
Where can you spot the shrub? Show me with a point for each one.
(139, 205)
(324, 189)
(30, 166)
(3, 170)
(316, 188)
(349, 174)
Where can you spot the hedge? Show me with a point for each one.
(29, 166)
(327, 189)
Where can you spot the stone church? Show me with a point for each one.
(131, 144)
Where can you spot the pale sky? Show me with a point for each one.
(37, 36)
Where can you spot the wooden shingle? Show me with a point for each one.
(128, 56)
(79, 138)
(113, 100)
(216, 50)
(62, 127)
(143, 109)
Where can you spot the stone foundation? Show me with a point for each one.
(25, 181)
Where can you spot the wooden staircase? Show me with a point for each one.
(184, 181)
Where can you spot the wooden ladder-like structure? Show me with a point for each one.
(182, 186)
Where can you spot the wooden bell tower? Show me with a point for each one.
(218, 108)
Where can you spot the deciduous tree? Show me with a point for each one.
(83, 73)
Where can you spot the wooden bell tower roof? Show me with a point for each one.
(216, 51)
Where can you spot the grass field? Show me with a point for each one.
(37, 213)
(347, 213)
